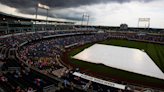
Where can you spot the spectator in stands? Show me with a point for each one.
(30, 89)
(27, 61)
(6, 80)
(78, 79)
(1, 57)
(91, 87)
(77, 69)
(19, 74)
(25, 89)
(72, 88)
(13, 89)
(18, 89)
(99, 89)
(22, 90)
(16, 76)
(2, 78)
(35, 81)
(24, 72)
(45, 72)
(72, 85)
(38, 84)
(43, 83)
(65, 82)
(62, 74)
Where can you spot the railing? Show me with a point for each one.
(59, 61)
(58, 56)
(14, 68)
(3, 22)
(124, 37)
(18, 28)
(58, 72)
(15, 34)
(5, 36)
(134, 84)
(61, 35)
(23, 43)
(27, 68)
(48, 87)
(71, 45)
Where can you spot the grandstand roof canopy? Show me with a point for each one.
(15, 17)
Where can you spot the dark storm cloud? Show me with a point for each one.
(55, 13)
(28, 6)
(32, 11)
(59, 3)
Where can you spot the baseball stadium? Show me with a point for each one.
(46, 55)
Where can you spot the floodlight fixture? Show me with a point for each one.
(86, 15)
(43, 6)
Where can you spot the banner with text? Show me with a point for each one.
(107, 83)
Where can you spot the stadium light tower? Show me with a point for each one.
(85, 15)
(43, 7)
(144, 20)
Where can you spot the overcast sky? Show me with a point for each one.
(102, 12)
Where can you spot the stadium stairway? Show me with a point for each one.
(1, 47)
(7, 51)
(3, 50)
(11, 63)
(20, 39)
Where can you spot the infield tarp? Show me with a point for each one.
(128, 59)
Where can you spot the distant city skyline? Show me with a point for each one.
(102, 12)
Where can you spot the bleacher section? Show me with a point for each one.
(35, 61)
(11, 64)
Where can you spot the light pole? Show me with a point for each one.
(47, 16)
(87, 23)
(85, 15)
(36, 14)
(144, 20)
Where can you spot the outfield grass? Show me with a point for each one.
(155, 51)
